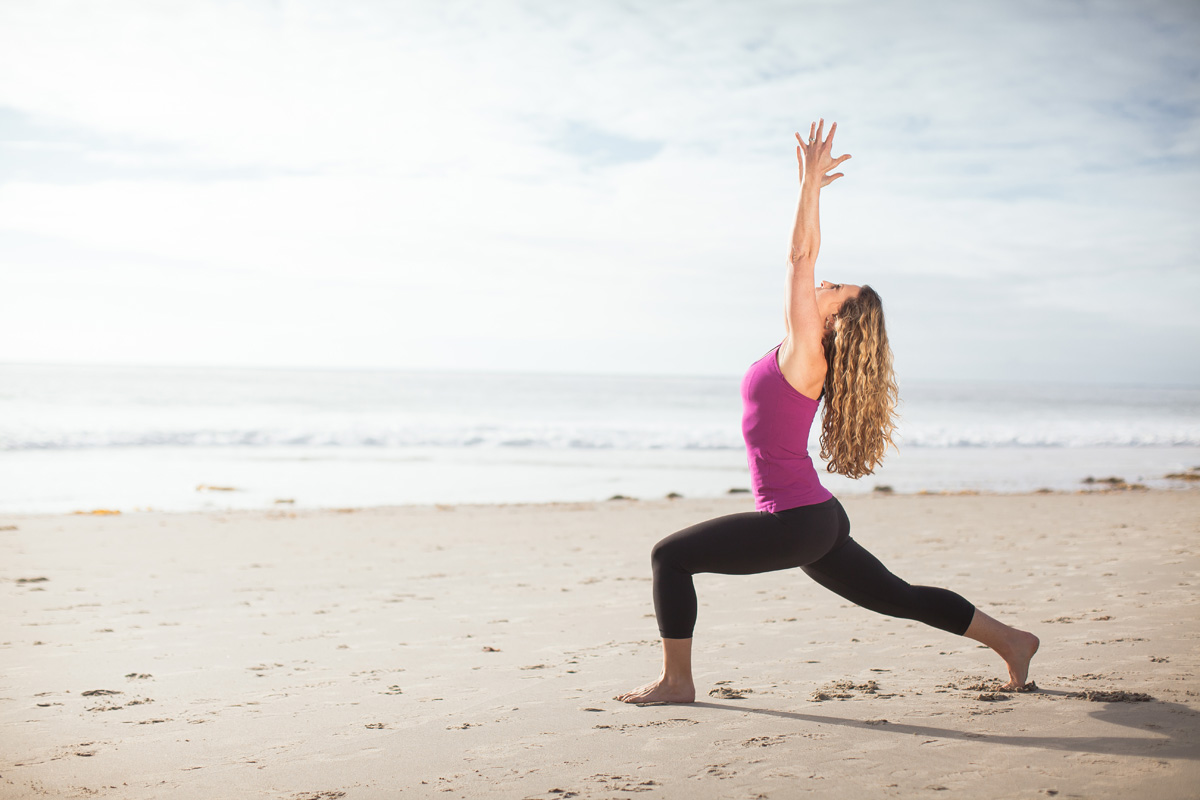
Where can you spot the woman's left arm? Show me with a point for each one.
(804, 327)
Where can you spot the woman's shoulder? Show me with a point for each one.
(802, 365)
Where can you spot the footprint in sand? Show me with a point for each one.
(993, 685)
(764, 741)
(1111, 696)
(262, 669)
(845, 690)
(141, 702)
(1087, 676)
(658, 723)
(623, 783)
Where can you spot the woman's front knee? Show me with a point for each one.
(663, 552)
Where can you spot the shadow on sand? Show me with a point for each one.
(1153, 720)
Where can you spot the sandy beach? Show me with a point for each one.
(473, 651)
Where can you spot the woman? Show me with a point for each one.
(836, 347)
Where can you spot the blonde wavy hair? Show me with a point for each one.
(860, 389)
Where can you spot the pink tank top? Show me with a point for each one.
(776, 420)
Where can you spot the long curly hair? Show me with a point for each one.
(860, 389)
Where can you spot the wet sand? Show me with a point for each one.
(473, 651)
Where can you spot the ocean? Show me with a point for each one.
(81, 438)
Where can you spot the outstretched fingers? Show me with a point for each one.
(816, 153)
(816, 134)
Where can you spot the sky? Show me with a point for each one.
(599, 187)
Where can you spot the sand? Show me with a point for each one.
(474, 651)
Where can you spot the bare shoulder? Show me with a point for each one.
(802, 362)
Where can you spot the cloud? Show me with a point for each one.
(597, 147)
(606, 180)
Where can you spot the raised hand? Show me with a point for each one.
(815, 156)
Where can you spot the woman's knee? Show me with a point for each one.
(665, 553)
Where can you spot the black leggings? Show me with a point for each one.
(815, 538)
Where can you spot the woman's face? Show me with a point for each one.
(830, 297)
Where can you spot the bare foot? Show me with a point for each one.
(1017, 654)
(1015, 646)
(660, 691)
